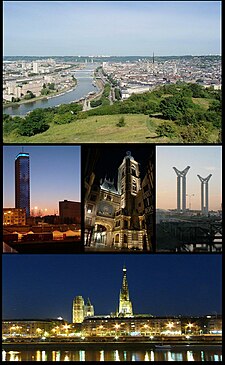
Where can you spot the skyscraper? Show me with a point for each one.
(22, 182)
(125, 305)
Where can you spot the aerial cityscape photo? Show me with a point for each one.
(128, 307)
(112, 181)
(41, 199)
(109, 71)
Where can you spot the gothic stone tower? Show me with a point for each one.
(128, 182)
(129, 230)
(125, 305)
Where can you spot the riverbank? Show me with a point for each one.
(109, 345)
(84, 86)
(44, 97)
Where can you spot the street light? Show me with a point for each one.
(190, 195)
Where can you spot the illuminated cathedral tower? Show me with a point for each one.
(128, 182)
(125, 305)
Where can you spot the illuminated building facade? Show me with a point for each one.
(81, 310)
(14, 216)
(125, 305)
(123, 324)
(117, 216)
(22, 182)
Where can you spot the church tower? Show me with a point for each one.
(128, 182)
(125, 305)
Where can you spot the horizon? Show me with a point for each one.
(49, 292)
(114, 55)
(112, 27)
(44, 175)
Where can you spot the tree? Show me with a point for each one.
(166, 130)
(169, 109)
(121, 122)
(194, 134)
(34, 123)
(29, 95)
(197, 91)
(51, 86)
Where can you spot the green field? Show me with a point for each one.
(139, 128)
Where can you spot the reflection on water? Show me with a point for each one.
(84, 86)
(113, 355)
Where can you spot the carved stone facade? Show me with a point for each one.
(115, 216)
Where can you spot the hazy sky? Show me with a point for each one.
(54, 175)
(44, 286)
(111, 28)
(203, 160)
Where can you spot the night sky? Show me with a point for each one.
(54, 175)
(43, 286)
(111, 156)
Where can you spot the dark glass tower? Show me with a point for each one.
(22, 182)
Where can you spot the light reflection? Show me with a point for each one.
(125, 355)
(43, 356)
(152, 355)
(66, 358)
(3, 355)
(202, 356)
(53, 355)
(38, 355)
(116, 356)
(57, 358)
(146, 356)
(13, 356)
(82, 355)
(216, 357)
(102, 355)
(190, 356)
(169, 356)
(133, 357)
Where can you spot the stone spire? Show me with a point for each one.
(125, 305)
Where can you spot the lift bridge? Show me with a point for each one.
(195, 235)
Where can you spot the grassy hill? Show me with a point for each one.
(139, 128)
(172, 114)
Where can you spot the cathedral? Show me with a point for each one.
(81, 311)
(125, 305)
(115, 214)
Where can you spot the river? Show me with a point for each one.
(176, 354)
(84, 86)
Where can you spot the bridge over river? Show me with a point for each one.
(193, 235)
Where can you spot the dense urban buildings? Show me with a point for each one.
(122, 324)
(34, 230)
(22, 182)
(120, 216)
(14, 216)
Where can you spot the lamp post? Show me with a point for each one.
(190, 195)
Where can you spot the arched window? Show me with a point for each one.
(117, 238)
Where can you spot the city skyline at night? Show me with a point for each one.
(158, 285)
(54, 176)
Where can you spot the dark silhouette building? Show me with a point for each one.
(22, 182)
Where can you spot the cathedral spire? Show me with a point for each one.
(125, 305)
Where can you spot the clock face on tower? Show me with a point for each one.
(105, 208)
